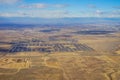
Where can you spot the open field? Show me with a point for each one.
(59, 54)
(59, 39)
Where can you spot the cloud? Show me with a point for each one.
(11, 15)
(116, 7)
(43, 5)
(36, 5)
(60, 5)
(15, 14)
(36, 13)
(92, 6)
(116, 12)
(9, 1)
(50, 14)
(99, 12)
(56, 13)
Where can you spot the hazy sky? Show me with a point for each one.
(59, 8)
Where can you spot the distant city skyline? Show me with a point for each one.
(60, 8)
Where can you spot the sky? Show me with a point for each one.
(60, 8)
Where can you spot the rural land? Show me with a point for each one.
(60, 52)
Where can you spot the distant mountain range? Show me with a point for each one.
(88, 23)
(27, 20)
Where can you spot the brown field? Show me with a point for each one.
(37, 55)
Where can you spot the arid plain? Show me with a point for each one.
(59, 54)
